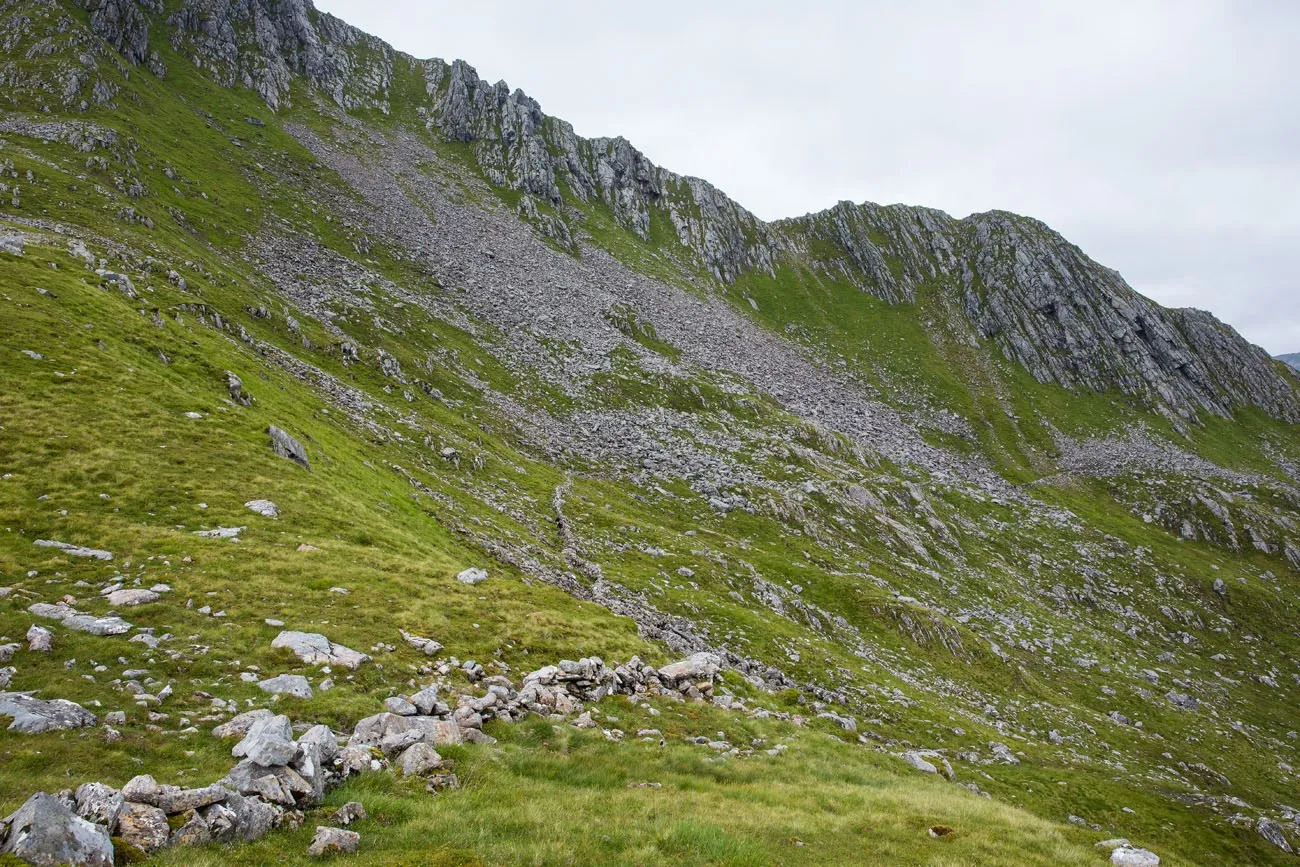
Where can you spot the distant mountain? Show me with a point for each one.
(1291, 358)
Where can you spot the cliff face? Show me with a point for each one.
(1036, 297)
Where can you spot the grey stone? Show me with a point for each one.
(1271, 831)
(33, 716)
(131, 597)
(265, 508)
(419, 759)
(40, 639)
(472, 575)
(315, 649)
(286, 684)
(143, 826)
(99, 803)
(45, 831)
(1131, 857)
(269, 742)
(333, 841)
(352, 811)
(239, 725)
(287, 447)
(74, 550)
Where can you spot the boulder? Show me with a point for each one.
(388, 731)
(265, 508)
(74, 550)
(45, 831)
(1271, 831)
(131, 597)
(33, 716)
(315, 649)
(287, 447)
(1126, 856)
(352, 811)
(99, 803)
(917, 761)
(472, 575)
(427, 646)
(144, 827)
(269, 742)
(333, 841)
(696, 667)
(239, 725)
(419, 760)
(193, 831)
(426, 700)
(39, 639)
(286, 684)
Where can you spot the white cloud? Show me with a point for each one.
(1162, 138)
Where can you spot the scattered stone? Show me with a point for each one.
(287, 684)
(472, 575)
(39, 639)
(99, 803)
(287, 447)
(221, 533)
(268, 743)
(265, 508)
(1125, 856)
(315, 649)
(33, 716)
(131, 597)
(332, 841)
(235, 386)
(74, 550)
(915, 759)
(45, 831)
(1271, 831)
(352, 811)
(427, 646)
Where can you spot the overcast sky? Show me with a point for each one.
(1161, 137)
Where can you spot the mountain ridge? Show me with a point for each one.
(1042, 311)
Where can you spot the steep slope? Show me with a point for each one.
(918, 483)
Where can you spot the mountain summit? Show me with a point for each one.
(394, 471)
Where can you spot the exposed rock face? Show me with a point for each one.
(1043, 303)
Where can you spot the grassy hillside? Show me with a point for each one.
(936, 613)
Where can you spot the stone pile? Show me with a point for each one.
(278, 776)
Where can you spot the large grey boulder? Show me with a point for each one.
(391, 732)
(696, 667)
(287, 447)
(239, 818)
(286, 684)
(33, 716)
(44, 831)
(269, 742)
(315, 649)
